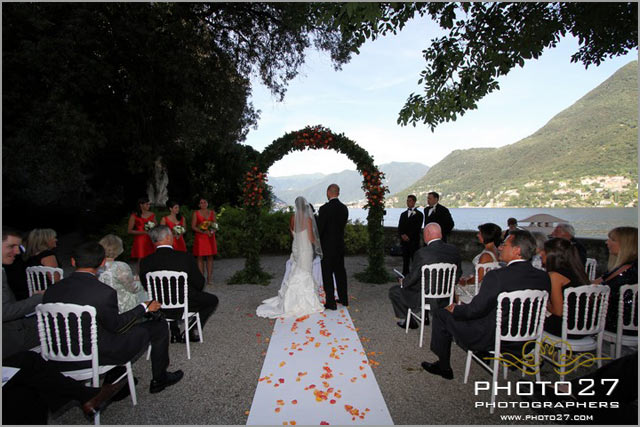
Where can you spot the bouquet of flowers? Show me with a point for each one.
(149, 225)
(209, 226)
(178, 230)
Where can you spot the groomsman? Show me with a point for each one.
(332, 219)
(435, 212)
(409, 231)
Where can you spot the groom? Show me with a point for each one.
(332, 218)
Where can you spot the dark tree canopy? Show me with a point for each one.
(94, 93)
(486, 41)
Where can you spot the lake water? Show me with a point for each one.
(588, 222)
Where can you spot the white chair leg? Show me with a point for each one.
(505, 371)
(149, 352)
(406, 329)
(494, 382)
(96, 419)
(186, 337)
(132, 384)
(199, 327)
(424, 314)
(467, 366)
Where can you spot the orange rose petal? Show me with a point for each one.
(277, 409)
(294, 402)
(246, 412)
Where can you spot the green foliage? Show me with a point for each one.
(356, 238)
(106, 88)
(486, 41)
(595, 137)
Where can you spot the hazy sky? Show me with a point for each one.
(364, 98)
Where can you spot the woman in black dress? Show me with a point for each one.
(622, 269)
(565, 269)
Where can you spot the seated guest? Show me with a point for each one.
(120, 337)
(621, 270)
(566, 231)
(473, 325)
(536, 260)
(562, 262)
(19, 333)
(17, 275)
(39, 388)
(130, 292)
(166, 258)
(40, 245)
(409, 293)
(489, 235)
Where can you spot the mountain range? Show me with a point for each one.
(585, 156)
(313, 187)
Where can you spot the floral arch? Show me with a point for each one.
(255, 190)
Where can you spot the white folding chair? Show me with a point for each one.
(442, 281)
(40, 277)
(590, 268)
(590, 301)
(170, 289)
(618, 339)
(63, 331)
(525, 311)
(486, 267)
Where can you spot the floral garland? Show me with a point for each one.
(374, 189)
(255, 187)
(255, 191)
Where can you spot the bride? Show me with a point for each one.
(297, 295)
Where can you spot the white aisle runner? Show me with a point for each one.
(317, 373)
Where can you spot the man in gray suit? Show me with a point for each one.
(18, 332)
(408, 293)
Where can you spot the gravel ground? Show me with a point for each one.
(221, 377)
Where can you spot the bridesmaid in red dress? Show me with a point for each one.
(142, 245)
(204, 242)
(175, 218)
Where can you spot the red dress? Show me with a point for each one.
(178, 242)
(203, 244)
(142, 244)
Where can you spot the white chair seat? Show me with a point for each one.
(579, 344)
(627, 340)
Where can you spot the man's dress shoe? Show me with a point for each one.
(412, 324)
(170, 378)
(435, 369)
(100, 400)
(330, 307)
(342, 303)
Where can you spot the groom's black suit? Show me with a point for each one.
(165, 258)
(332, 218)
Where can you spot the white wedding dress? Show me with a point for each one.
(297, 296)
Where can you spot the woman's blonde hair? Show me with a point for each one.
(627, 238)
(112, 245)
(38, 241)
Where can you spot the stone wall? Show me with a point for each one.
(468, 244)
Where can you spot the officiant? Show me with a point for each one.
(409, 232)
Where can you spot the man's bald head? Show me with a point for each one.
(333, 190)
(432, 231)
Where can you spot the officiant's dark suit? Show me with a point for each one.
(409, 295)
(473, 325)
(332, 219)
(435, 212)
(410, 225)
(120, 338)
(166, 258)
